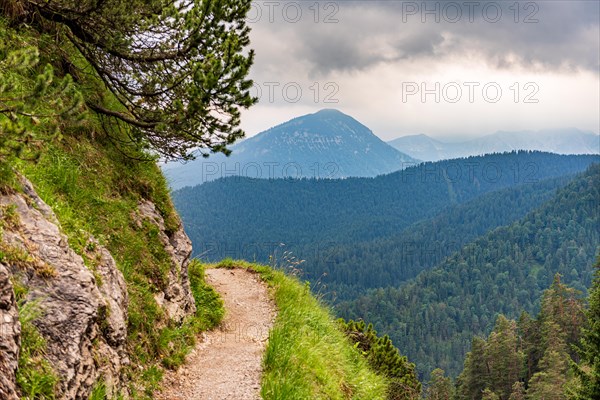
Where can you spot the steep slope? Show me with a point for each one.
(97, 291)
(326, 144)
(308, 355)
(560, 141)
(433, 317)
(249, 218)
(98, 262)
(348, 269)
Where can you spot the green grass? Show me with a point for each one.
(95, 190)
(35, 376)
(308, 356)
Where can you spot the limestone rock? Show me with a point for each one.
(10, 337)
(84, 326)
(176, 299)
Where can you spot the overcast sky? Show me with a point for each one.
(443, 68)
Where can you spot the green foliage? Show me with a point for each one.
(173, 74)
(94, 189)
(504, 358)
(177, 341)
(550, 381)
(474, 378)
(321, 220)
(35, 377)
(439, 387)
(385, 359)
(210, 309)
(34, 103)
(56, 56)
(588, 370)
(98, 391)
(487, 394)
(308, 356)
(518, 391)
(500, 366)
(433, 317)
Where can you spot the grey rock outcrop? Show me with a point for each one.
(83, 323)
(10, 337)
(176, 298)
(81, 307)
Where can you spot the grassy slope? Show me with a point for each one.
(308, 357)
(95, 190)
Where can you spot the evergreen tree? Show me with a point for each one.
(487, 394)
(504, 359)
(385, 359)
(173, 72)
(562, 313)
(549, 383)
(530, 335)
(30, 92)
(588, 371)
(475, 376)
(518, 391)
(439, 386)
(507, 365)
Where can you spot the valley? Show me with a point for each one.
(412, 250)
(324, 200)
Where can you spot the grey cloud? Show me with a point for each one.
(566, 36)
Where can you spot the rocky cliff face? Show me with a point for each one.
(10, 336)
(176, 299)
(82, 305)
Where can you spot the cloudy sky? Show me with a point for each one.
(448, 69)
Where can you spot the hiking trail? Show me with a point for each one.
(227, 361)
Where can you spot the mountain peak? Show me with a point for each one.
(324, 144)
(329, 111)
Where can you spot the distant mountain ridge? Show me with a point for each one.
(559, 141)
(326, 144)
(243, 218)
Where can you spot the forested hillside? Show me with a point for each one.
(248, 218)
(527, 357)
(348, 269)
(433, 317)
(98, 295)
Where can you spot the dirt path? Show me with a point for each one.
(226, 363)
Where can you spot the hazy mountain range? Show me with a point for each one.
(330, 144)
(326, 144)
(560, 141)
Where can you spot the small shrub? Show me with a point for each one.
(35, 376)
(385, 359)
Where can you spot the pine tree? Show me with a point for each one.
(563, 306)
(550, 381)
(588, 371)
(174, 73)
(29, 93)
(487, 394)
(531, 339)
(385, 359)
(475, 376)
(439, 386)
(518, 391)
(504, 359)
